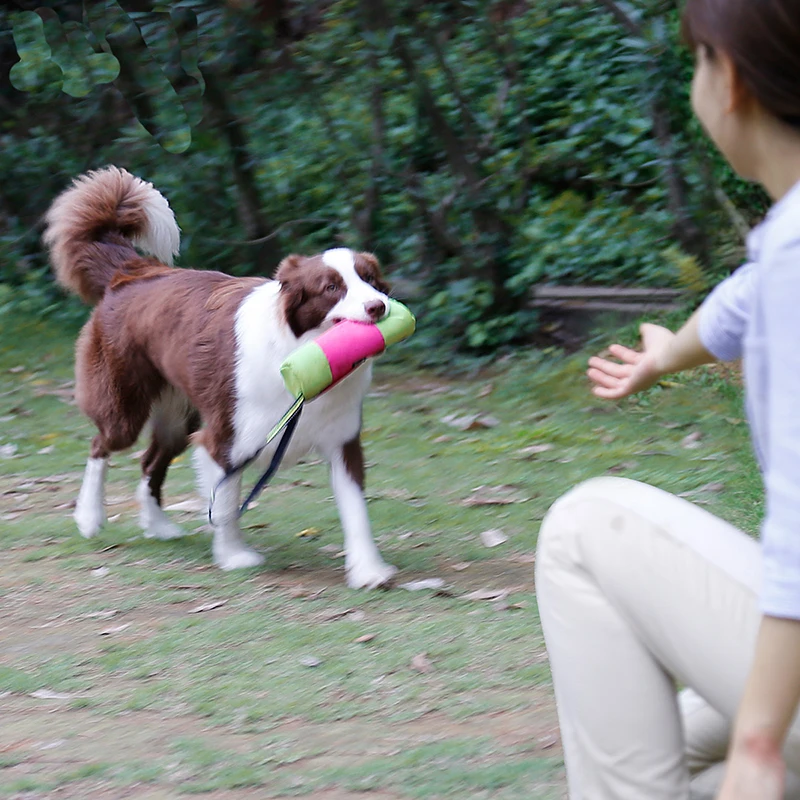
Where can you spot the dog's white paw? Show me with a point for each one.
(370, 575)
(89, 516)
(238, 559)
(163, 529)
(152, 519)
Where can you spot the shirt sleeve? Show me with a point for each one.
(725, 313)
(780, 295)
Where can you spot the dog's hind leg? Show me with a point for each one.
(363, 563)
(90, 512)
(172, 420)
(116, 394)
(117, 432)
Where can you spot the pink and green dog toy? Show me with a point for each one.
(321, 363)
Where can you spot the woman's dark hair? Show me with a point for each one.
(762, 38)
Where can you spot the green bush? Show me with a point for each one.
(478, 148)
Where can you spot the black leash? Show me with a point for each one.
(277, 457)
(287, 424)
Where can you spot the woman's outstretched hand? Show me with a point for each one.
(635, 370)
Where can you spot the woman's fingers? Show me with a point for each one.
(609, 393)
(597, 376)
(625, 353)
(610, 367)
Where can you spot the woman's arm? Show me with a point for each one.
(755, 763)
(663, 352)
(714, 332)
(771, 695)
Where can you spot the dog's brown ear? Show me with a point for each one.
(369, 268)
(289, 268)
(293, 291)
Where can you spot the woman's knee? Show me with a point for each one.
(595, 493)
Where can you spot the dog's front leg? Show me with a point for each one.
(90, 514)
(363, 563)
(229, 548)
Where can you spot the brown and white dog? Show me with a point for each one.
(198, 352)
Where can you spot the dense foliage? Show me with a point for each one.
(477, 146)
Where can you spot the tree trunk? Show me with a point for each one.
(267, 254)
(486, 220)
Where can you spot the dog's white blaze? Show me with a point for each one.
(261, 346)
(359, 292)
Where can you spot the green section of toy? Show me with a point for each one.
(314, 366)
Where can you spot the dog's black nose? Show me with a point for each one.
(376, 309)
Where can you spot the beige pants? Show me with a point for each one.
(638, 590)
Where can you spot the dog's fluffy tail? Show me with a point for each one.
(93, 226)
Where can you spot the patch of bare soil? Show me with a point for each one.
(46, 735)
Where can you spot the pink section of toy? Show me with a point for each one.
(348, 343)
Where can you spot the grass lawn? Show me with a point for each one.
(133, 668)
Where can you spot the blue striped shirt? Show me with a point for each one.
(755, 314)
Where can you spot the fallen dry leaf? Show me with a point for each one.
(207, 607)
(304, 592)
(470, 422)
(367, 637)
(493, 537)
(425, 583)
(47, 694)
(522, 558)
(111, 612)
(332, 614)
(623, 466)
(486, 594)
(309, 533)
(546, 742)
(116, 629)
(535, 449)
(494, 496)
(692, 440)
(421, 663)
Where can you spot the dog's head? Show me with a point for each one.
(335, 285)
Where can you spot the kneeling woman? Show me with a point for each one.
(640, 590)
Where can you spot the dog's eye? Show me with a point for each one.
(331, 288)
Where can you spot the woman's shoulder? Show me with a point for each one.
(779, 233)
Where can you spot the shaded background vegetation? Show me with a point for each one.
(478, 147)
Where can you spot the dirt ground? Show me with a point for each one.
(49, 738)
